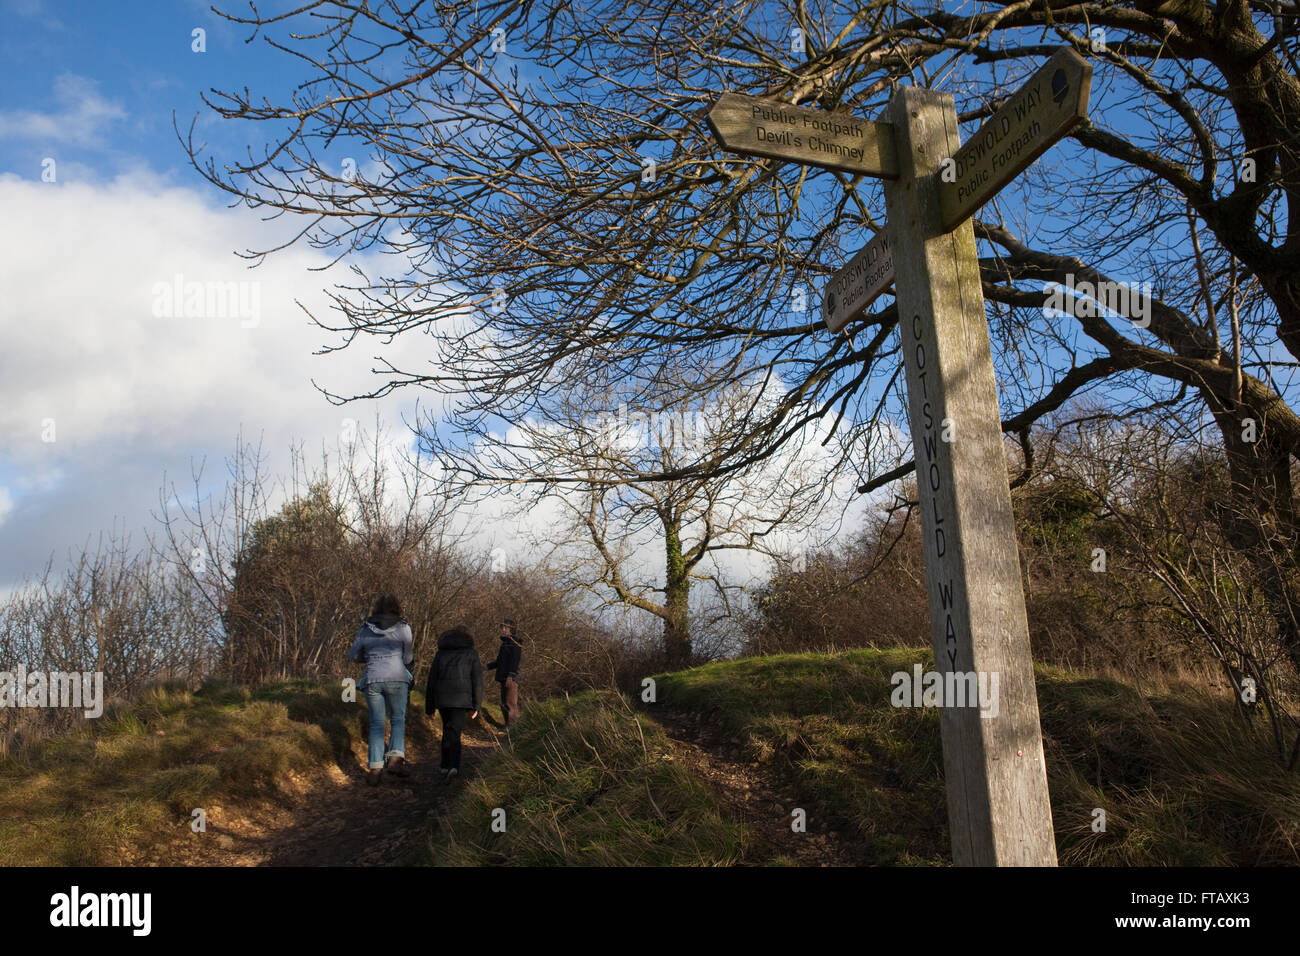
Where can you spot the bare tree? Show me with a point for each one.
(1164, 490)
(600, 470)
(116, 610)
(290, 584)
(560, 208)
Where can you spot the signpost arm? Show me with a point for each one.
(998, 807)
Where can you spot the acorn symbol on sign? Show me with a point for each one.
(830, 302)
(1060, 87)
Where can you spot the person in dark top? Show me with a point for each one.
(384, 643)
(455, 690)
(506, 665)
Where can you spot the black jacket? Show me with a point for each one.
(456, 675)
(508, 657)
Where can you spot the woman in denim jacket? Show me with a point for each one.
(384, 643)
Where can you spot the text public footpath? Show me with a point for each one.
(788, 137)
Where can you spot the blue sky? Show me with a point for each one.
(113, 383)
(95, 84)
(128, 394)
(108, 215)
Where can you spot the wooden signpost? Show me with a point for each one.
(998, 807)
(859, 283)
(776, 130)
(1045, 108)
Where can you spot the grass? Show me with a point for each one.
(587, 781)
(821, 728)
(1182, 780)
(594, 780)
(134, 778)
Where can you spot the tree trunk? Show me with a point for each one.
(677, 589)
(1258, 519)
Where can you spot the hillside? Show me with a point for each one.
(709, 773)
(731, 748)
(277, 771)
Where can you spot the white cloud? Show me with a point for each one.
(81, 119)
(520, 526)
(131, 394)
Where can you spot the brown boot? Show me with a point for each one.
(372, 777)
(398, 766)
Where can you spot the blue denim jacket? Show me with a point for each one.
(387, 652)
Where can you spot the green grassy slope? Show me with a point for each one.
(587, 781)
(1181, 779)
(133, 779)
(596, 779)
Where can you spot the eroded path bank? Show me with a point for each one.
(331, 818)
(749, 793)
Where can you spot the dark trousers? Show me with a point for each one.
(509, 701)
(453, 722)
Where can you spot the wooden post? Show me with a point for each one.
(998, 807)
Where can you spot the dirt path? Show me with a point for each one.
(752, 798)
(331, 818)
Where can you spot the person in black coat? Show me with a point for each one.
(507, 667)
(455, 690)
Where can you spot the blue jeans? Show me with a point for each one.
(390, 695)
